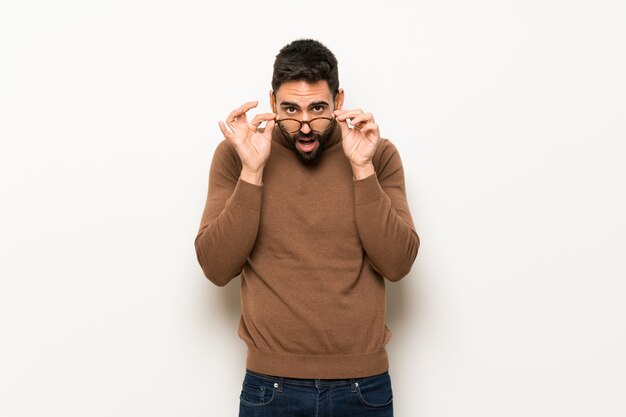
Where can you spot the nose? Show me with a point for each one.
(306, 129)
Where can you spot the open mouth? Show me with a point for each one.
(306, 145)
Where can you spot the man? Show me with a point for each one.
(311, 211)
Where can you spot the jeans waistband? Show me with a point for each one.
(279, 380)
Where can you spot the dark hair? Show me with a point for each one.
(308, 60)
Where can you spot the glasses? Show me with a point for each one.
(317, 125)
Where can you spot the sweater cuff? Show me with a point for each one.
(247, 195)
(367, 190)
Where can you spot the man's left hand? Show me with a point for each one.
(359, 140)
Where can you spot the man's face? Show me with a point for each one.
(302, 100)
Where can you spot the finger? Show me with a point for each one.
(345, 129)
(370, 127)
(362, 119)
(345, 114)
(230, 126)
(269, 127)
(260, 118)
(226, 132)
(241, 110)
(344, 111)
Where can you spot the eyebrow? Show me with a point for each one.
(290, 104)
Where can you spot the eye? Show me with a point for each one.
(290, 110)
(318, 109)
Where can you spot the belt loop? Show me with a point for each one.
(280, 384)
(353, 384)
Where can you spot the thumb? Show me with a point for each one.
(269, 126)
(345, 130)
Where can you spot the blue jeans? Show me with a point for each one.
(266, 395)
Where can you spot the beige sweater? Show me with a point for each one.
(312, 246)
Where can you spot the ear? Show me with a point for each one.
(339, 99)
(273, 101)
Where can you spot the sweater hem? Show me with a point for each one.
(291, 365)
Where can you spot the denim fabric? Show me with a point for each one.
(265, 395)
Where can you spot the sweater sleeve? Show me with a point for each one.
(230, 221)
(383, 218)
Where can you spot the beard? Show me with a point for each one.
(312, 156)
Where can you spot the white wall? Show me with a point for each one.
(509, 117)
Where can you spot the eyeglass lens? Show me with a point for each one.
(293, 125)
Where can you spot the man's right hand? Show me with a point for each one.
(253, 147)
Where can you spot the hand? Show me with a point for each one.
(359, 141)
(253, 147)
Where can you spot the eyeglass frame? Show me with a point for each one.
(308, 122)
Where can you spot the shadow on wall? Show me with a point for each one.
(396, 301)
(229, 299)
(226, 303)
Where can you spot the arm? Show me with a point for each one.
(383, 218)
(230, 220)
(382, 214)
